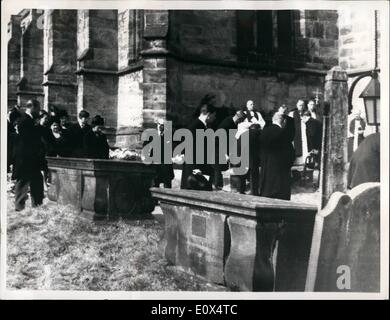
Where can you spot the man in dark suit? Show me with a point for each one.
(202, 122)
(29, 158)
(164, 171)
(13, 115)
(77, 132)
(313, 132)
(277, 157)
(296, 114)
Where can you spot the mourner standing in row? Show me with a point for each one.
(296, 114)
(13, 115)
(312, 108)
(356, 128)
(61, 142)
(313, 132)
(77, 132)
(29, 160)
(95, 145)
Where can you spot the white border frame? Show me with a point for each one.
(13, 7)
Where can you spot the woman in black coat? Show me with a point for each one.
(60, 140)
(95, 143)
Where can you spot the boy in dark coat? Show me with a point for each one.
(95, 145)
(77, 132)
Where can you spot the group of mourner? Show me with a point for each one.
(277, 141)
(34, 134)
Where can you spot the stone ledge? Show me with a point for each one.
(230, 238)
(58, 83)
(102, 189)
(242, 65)
(253, 207)
(100, 164)
(132, 67)
(95, 71)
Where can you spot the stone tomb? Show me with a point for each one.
(245, 242)
(102, 189)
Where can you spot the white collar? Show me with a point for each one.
(31, 116)
(277, 124)
(80, 123)
(203, 118)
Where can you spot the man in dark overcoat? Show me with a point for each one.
(313, 132)
(29, 158)
(277, 157)
(77, 132)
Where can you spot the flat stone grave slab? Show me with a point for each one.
(248, 243)
(102, 189)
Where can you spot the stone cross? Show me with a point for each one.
(317, 93)
(335, 149)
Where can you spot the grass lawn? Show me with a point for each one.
(55, 248)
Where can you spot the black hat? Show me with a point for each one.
(83, 114)
(97, 121)
(14, 114)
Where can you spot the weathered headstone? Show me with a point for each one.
(345, 253)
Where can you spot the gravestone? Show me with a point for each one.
(346, 243)
(237, 240)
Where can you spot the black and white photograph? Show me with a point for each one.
(194, 149)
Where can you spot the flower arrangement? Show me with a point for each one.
(125, 154)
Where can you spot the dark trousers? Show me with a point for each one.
(35, 181)
(238, 182)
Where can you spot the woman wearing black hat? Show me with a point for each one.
(95, 141)
(61, 142)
